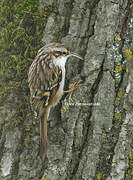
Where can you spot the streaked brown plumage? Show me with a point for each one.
(46, 79)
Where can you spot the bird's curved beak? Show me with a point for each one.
(75, 55)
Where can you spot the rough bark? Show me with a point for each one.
(91, 136)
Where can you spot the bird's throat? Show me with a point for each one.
(60, 61)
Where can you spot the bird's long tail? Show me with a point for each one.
(43, 132)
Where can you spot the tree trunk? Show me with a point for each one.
(90, 135)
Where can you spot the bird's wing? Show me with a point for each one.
(43, 79)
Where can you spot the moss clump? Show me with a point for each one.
(99, 176)
(118, 116)
(22, 24)
(43, 178)
(130, 157)
(128, 54)
(118, 68)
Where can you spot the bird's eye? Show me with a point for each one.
(65, 52)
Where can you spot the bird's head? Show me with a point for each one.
(58, 50)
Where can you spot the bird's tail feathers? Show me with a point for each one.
(43, 132)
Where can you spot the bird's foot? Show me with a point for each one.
(70, 99)
(73, 86)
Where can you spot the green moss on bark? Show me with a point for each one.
(22, 24)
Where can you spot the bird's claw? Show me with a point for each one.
(73, 87)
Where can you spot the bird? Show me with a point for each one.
(46, 80)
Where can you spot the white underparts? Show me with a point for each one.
(60, 62)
